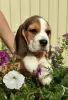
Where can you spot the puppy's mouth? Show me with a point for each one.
(39, 55)
(40, 50)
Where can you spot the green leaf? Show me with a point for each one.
(65, 96)
(3, 95)
(12, 96)
(12, 60)
(1, 73)
(65, 81)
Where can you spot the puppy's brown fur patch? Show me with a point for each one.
(32, 30)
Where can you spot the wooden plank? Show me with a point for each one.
(34, 7)
(5, 8)
(24, 9)
(53, 20)
(62, 18)
(15, 14)
(44, 8)
(62, 22)
(67, 17)
(66, 58)
(66, 53)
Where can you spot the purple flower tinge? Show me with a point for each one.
(54, 59)
(3, 57)
(39, 70)
(57, 49)
(52, 55)
(2, 53)
(65, 35)
(57, 66)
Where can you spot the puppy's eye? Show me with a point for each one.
(48, 32)
(33, 31)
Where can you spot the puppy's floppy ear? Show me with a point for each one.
(20, 42)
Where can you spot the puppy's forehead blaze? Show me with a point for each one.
(35, 25)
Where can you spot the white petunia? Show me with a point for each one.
(13, 80)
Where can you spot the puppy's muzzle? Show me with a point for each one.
(43, 42)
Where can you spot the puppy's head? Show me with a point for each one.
(33, 35)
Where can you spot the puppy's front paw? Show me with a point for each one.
(46, 72)
(45, 78)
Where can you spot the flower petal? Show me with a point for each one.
(13, 80)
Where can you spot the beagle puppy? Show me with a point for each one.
(33, 38)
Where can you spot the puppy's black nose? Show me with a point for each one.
(43, 42)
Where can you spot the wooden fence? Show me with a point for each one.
(54, 11)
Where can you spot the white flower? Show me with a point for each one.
(13, 80)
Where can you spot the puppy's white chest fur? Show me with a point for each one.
(31, 63)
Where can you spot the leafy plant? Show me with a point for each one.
(32, 89)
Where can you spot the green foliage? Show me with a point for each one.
(4, 47)
(65, 43)
(32, 89)
(1, 73)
